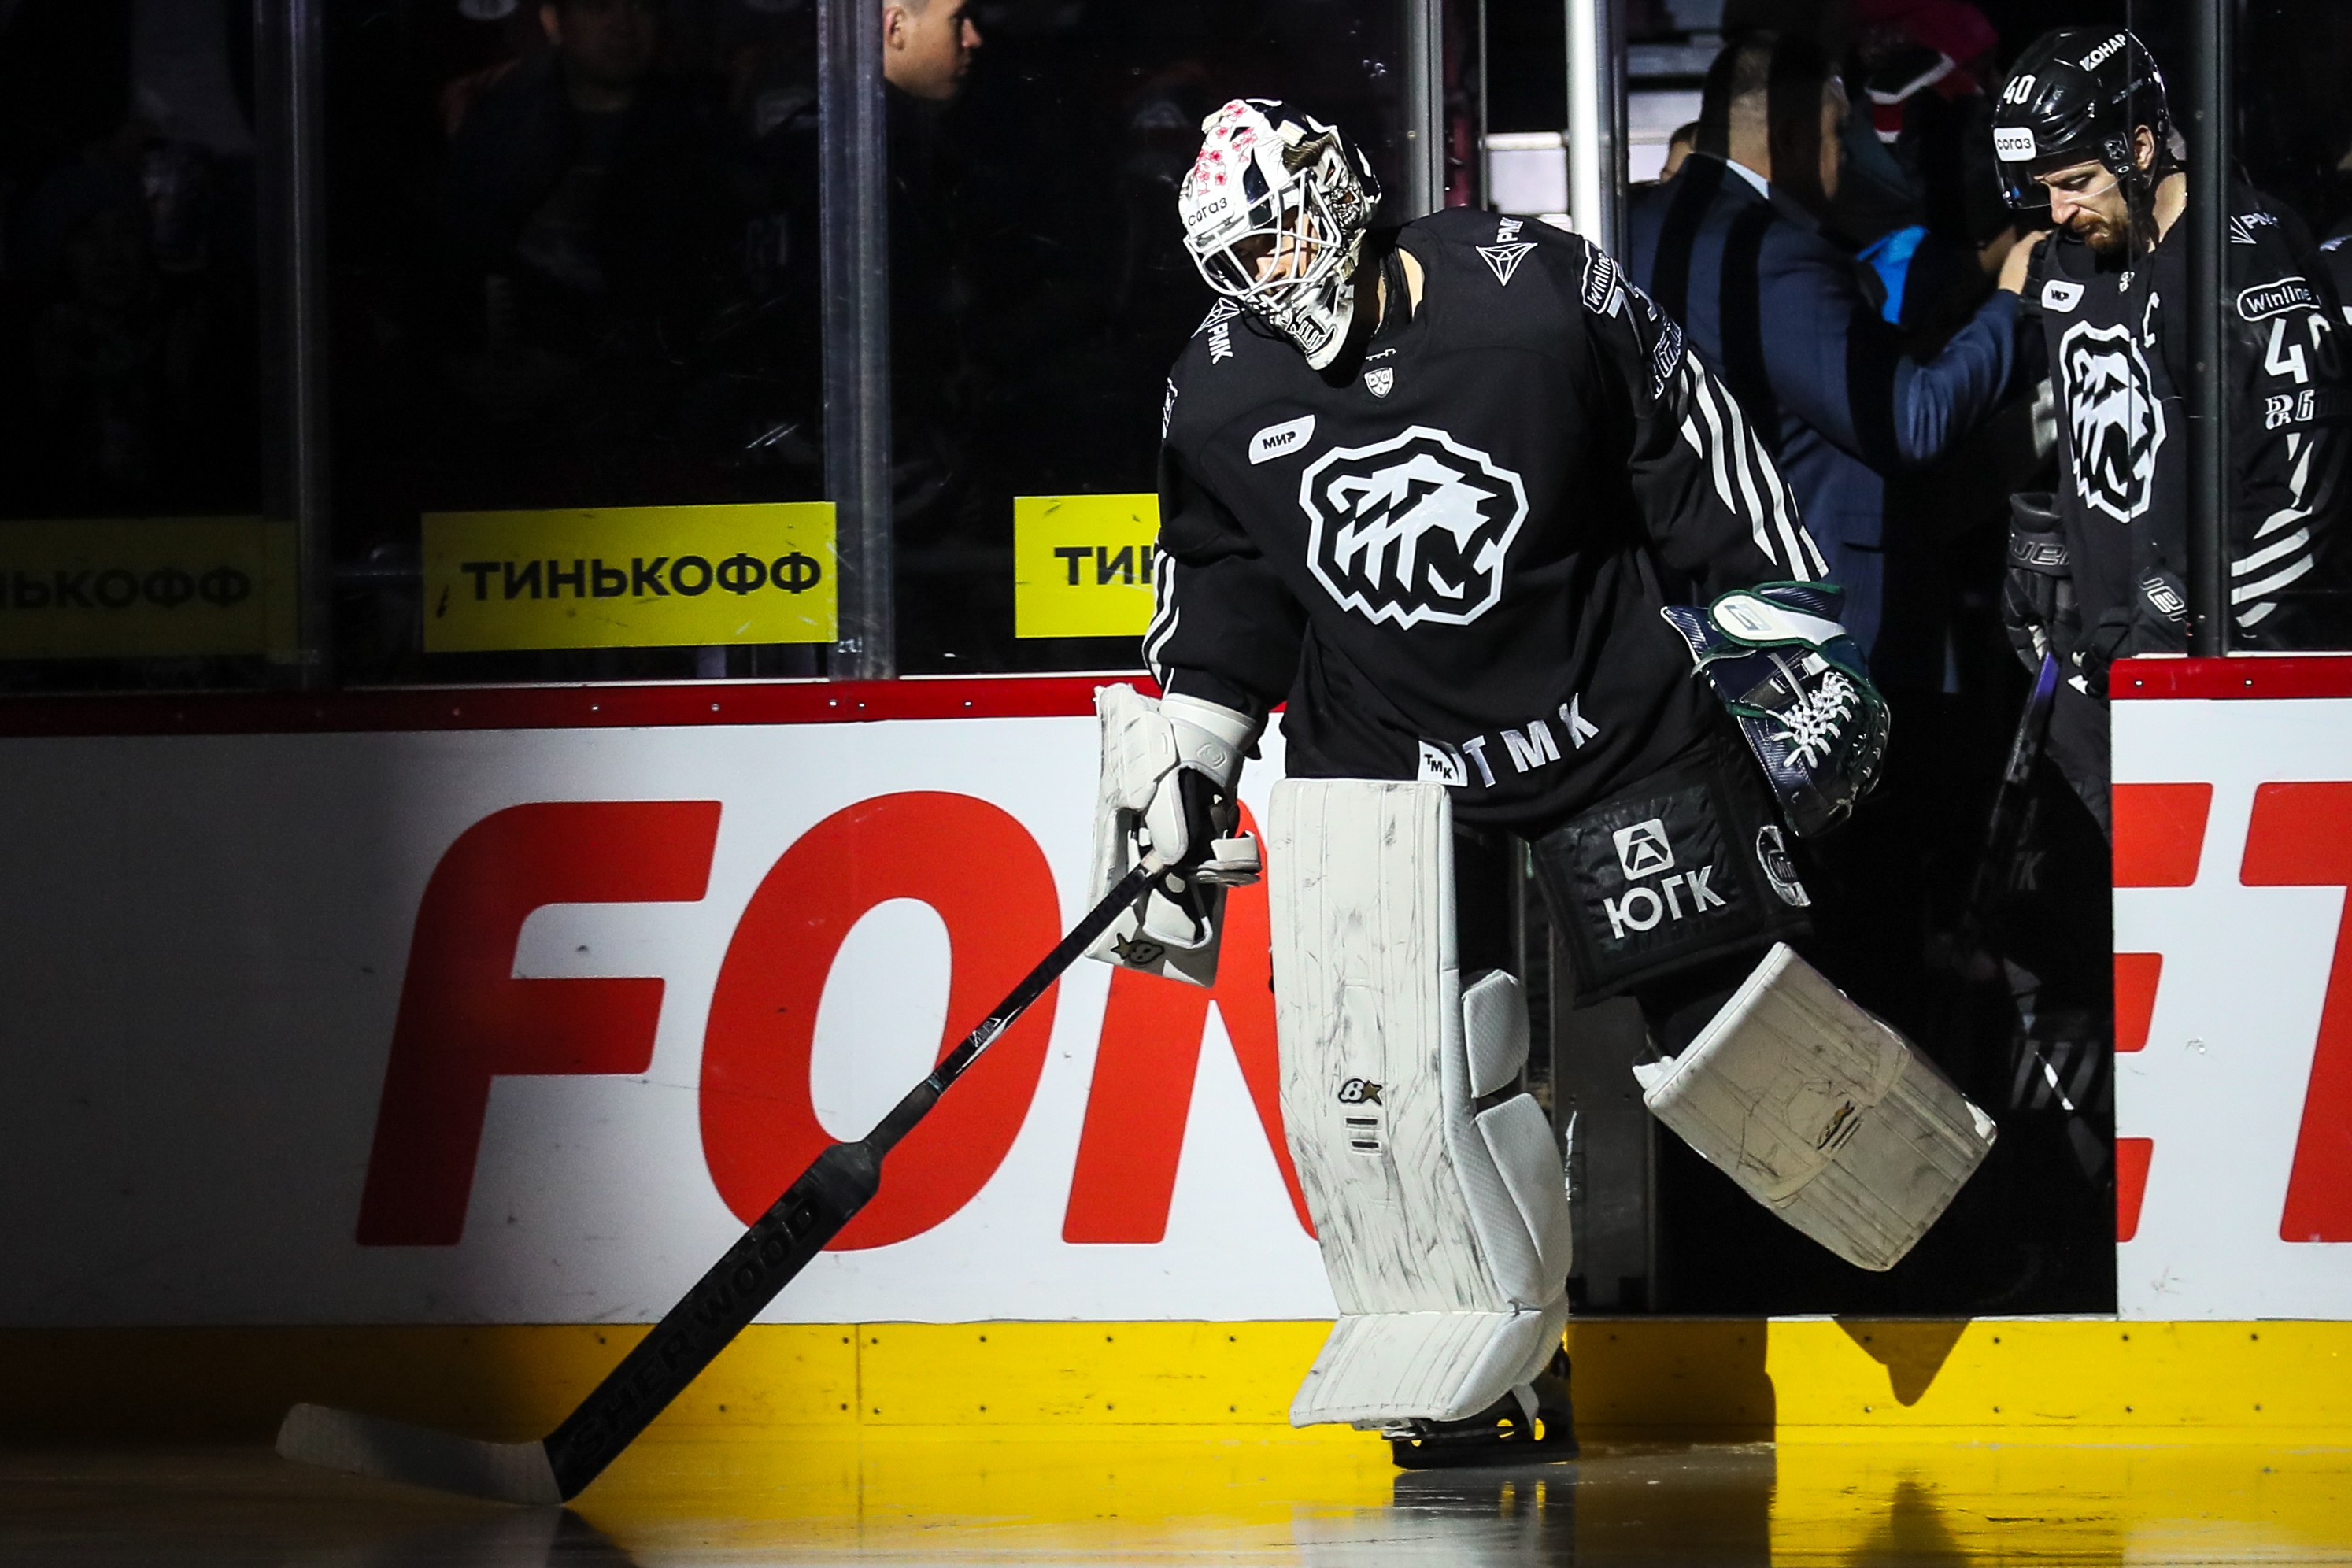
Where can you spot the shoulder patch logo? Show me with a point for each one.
(2111, 414)
(2242, 226)
(1412, 529)
(1281, 440)
(2061, 296)
(1504, 259)
(1223, 310)
(1380, 382)
(1602, 284)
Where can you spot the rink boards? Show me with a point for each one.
(350, 1037)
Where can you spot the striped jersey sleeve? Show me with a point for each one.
(1712, 503)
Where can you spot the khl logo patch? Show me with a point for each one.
(1412, 529)
(2114, 417)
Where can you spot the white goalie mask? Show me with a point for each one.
(1274, 211)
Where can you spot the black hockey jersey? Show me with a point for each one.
(2117, 338)
(1448, 552)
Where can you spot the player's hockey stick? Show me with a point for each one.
(2007, 820)
(779, 1244)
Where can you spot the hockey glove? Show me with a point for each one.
(1169, 772)
(1801, 691)
(2038, 609)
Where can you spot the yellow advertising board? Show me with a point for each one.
(147, 587)
(649, 576)
(1082, 566)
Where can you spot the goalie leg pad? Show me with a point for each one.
(1444, 1228)
(1821, 1112)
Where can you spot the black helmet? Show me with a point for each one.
(2078, 94)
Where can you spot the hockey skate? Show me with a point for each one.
(1531, 1425)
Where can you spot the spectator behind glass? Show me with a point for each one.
(1679, 147)
(927, 48)
(955, 607)
(587, 215)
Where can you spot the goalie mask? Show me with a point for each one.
(1274, 211)
(2078, 94)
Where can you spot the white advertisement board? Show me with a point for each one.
(522, 1026)
(2233, 1077)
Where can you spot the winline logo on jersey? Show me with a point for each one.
(1415, 528)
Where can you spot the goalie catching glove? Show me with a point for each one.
(1169, 770)
(1782, 664)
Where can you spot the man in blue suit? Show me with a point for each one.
(1731, 248)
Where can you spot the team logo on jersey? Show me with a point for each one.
(1412, 529)
(1281, 440)
(2111, 412)
(1504, 259)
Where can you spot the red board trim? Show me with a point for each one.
(562, 707)
(2260, 677)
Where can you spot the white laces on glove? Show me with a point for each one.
(1818, 718)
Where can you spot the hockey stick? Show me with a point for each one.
(2007, 818)
(779, 1245)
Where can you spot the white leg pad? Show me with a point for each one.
(1822, 1113)
(1445, 1228)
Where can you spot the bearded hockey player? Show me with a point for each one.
(1457, 494)
(2096, 571)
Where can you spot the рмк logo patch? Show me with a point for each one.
(2113, 415)
(1412, 529)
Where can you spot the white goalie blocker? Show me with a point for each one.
(1821, 1112)
(1175, 929)
(1444, 1226)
